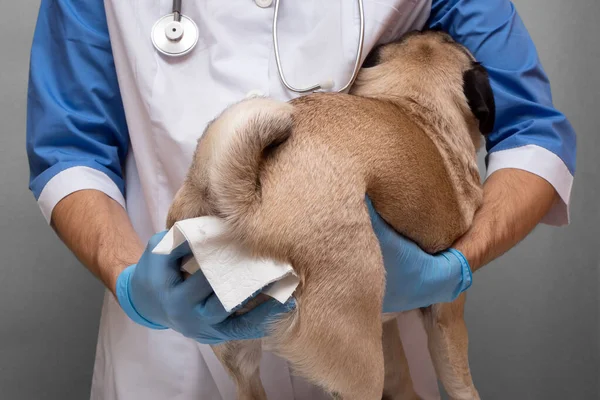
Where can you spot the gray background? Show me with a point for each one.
(533, 315)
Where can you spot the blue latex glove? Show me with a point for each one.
(154, 294)
(415, 278)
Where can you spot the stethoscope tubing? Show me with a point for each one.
(317, 87)
(176, 12)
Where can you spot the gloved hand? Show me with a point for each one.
(154, 294)
(415, 278)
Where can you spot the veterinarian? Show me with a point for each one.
(113, 122)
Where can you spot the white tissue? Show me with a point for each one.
(228, 267)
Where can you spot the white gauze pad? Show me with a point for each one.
(228, 267)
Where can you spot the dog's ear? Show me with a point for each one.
(477, 88)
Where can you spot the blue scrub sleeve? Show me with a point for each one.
(77, 135)
(529, 133)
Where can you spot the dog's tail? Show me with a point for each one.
(244, 133)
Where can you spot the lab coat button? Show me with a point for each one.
(255, 93)
(263, 3)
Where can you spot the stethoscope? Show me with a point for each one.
(176, 35)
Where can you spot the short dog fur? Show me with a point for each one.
(290, 180)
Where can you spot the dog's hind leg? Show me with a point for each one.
(348, 369)
(241, 359)
(398, 383)
(334, 337)
(448, 345)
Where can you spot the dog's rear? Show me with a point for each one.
(325, 234)
(290, 193)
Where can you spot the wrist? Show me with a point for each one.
(466, 276)
(469, 253)
(111, 266)
(110, 277)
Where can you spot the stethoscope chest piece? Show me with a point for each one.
(174, 38)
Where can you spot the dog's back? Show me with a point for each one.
(385, 149)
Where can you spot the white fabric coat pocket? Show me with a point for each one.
(388, 20)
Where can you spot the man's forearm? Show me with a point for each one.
(514, 202)
(98, 231)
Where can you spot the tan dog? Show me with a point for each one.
(290, 179)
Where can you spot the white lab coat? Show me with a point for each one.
(168, 102)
